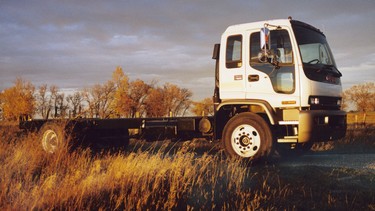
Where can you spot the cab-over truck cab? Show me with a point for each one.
(277, 86)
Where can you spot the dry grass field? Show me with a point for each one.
(173, 176)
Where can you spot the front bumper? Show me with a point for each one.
(321, 125)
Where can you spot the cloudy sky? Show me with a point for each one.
(75, 44)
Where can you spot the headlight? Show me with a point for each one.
(314, 100)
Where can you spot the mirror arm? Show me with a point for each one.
(270, 25)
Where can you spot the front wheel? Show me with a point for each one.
(247, 135)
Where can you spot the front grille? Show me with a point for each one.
(325, 103)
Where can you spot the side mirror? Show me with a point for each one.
(265, 45)
(216, 53)
(265, 38)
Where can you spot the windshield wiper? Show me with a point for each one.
(332, 69)
(320, 68)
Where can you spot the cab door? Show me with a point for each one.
(272, 79)
(232, 68)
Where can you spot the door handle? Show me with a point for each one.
(253, 78)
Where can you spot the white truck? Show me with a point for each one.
(276, 87)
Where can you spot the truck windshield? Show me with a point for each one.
(315, 52)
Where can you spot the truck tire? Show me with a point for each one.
(52, 137)
(247, 136)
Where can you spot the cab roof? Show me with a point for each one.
(257, 25)
(271, 23)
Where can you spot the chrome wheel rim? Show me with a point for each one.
(50, 141)
(245, 140)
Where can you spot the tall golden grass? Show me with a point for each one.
(164, 176)
(152, 179)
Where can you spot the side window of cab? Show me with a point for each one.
(280, 51)
(278, 65)
(234, 52)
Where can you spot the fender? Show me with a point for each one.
(221, 113)
(264, 104)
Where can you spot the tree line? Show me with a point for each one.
(119, 97)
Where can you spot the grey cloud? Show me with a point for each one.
(78, 43)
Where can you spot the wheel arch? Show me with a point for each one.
(226, 110)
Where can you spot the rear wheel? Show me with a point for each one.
(247, 135)
(52, 137)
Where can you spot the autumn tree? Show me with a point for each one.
(1, 107)
(44, 102)
(18, 100)
(58, 102)
(204, 107)
(169, 99)
(110, 99)
(361, 97)
(155, 104)
(137, 94)
(61, 106)
(74, 102)
(120, 103)
(99, 98)
(176, 99)
(53, 95)
(345, 103)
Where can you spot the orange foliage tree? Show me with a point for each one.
(120, 103)
(98, 99)
(361, 96)
(204, 107)
(154, 104)
(118, 97)
(137, 94)
(176, 99)
(18, 100)
(169, 99)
